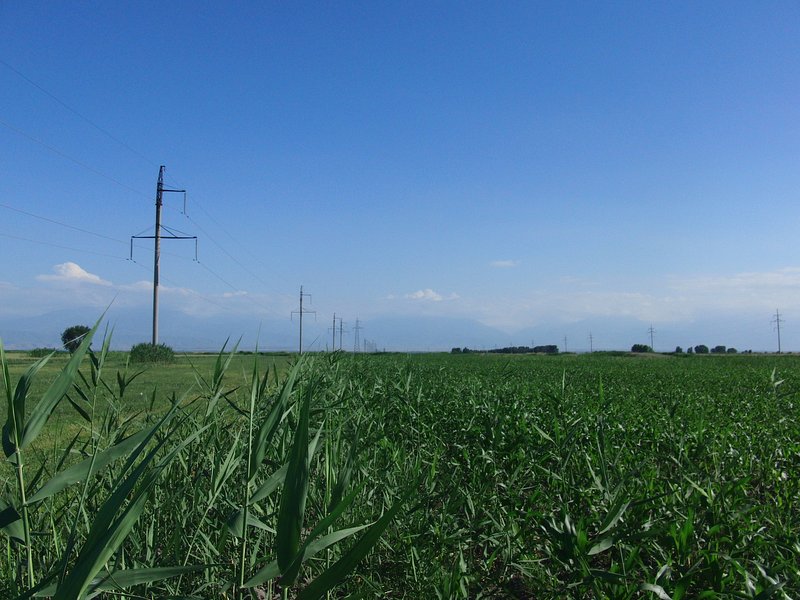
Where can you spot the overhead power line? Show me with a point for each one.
(70, 248)
(78, 114)
(61, 223)
(70, 158)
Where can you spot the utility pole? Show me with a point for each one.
(565, 343)
(591, 340)
(651, 331)
(341, 331)
(301, 312)
(356, 329)
(157, 236)
(777, 320)
(333, 329)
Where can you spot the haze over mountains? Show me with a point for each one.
(392, 333)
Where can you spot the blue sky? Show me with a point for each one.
(528, 166)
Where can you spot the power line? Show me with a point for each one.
(70, 248)
(60, 223)
(139, 155)
(78, 114)
(70, 158)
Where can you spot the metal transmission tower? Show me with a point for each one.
(333, 330)
(356, 336)
(651, 331)
(341, 332)
(158, 236)
(302, 312)
(591, 343)
(777, 320)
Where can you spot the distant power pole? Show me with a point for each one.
(356, 329)
(301, 312)
(333, 329)
(565, 343)
(157, 236)
(651, 331)
(341, 331)
(777, 320)
(591, 340)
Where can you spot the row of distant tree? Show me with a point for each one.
(638, 348)
(699, 349)
(548, 349)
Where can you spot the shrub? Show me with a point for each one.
(41, 352)
(73, 336)
(149, 353)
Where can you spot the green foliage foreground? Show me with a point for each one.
(417, 477)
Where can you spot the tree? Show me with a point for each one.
(731, 350)
(73, 336)
(689, 350)
(718, 350)
(701, 349)
(641, 348)
(679, 350)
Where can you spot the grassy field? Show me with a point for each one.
(413, 476)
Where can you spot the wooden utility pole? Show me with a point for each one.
(301, 312)
(157, 237)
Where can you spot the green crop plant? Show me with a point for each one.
(207, 498)
(406, 476)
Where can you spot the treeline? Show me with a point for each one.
(699, 349)
(548, 349)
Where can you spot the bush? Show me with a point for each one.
(41, 352)
(148, 353)
(73, 336)
(732, 351)
(641, 348)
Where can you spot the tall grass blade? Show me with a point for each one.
(57, 390)
(342, 567)
(80, 471)
(295, 491)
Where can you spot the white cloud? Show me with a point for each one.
(503, 264)
(137, 286)
(234, 294)
(426, 294)
(70, 272)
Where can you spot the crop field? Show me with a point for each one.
(401, 476)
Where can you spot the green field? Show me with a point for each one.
(591, 476)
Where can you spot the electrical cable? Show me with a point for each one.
(61, 223)
(24, 239)
(70, 158)
(75, 112)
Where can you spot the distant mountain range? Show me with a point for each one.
(193, 333)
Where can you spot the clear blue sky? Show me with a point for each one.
(520, 164)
